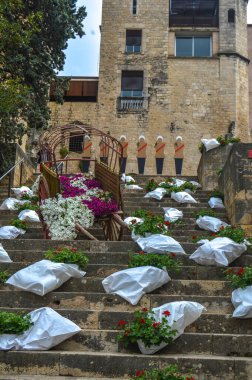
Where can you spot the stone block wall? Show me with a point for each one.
(236, 184)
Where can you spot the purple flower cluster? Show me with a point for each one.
(98, 206)
(70, 191)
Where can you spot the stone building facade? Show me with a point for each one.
(168, 69)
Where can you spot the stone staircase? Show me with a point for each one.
(214, 347)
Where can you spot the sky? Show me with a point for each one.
(82, 54)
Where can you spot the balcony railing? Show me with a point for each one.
(130, 103)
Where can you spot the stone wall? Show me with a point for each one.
(236, 184)
(190, 97)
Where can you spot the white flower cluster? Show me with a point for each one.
(79, 183)
(95, 192)
(35, 186)
(61, 215)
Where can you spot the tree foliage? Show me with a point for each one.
(34, 35)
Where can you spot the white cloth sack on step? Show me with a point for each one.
(183, 197)
(18, 191)
(29, 216)
(183, 314)
(160, 244)
(172, 214)
(129, 220)
(242, 301)
(49, 329)
(133, 187)
(216, 203)
(10, 203)
(127, 178)
(131, 284)
(210, 144)
(196, 184)
(220, 252)
(4, 257)
(10, 232)
(158, 194)
(178, 182)
(209, 223)
(44, 276)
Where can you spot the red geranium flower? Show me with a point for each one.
(122, 323)
(167, 223)
(173, 254)
(145, 309)
(142, 321)
(156, 324)
(240, 272)
(190, 378)
(194, 237)
(166, 313)
(139, 373)
(141, 253)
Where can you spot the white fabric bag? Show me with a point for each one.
(44, 276)
(210, 144)
(216, 203)
(209, 223)
(127, 178)
(133, 187)
(242, 301)
(178, 182)
(172, 214)
(160, 244)
(10, 232)
(183, 314)
(196, 184)
(129, 220)
(18, 191)
(10, 203)
(49, 329)
(220, 252)
(29, 216)
(4, 257)
(158, 194)
(183, 197)
(131, 284)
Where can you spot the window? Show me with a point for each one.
(231, 15)
(204, 13)
(193, 46)
(133, 41)
(76, 144)
(132, 84)
(134, 7)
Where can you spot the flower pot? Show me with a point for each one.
(150, 350)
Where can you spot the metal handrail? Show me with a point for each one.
(9, 171)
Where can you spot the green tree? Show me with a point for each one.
(34, 35)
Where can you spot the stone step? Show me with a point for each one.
(112, 365)
(41, 377)
(175, 287)
(122, 258)
(105, 320)
(189, 272)
(103, 301)
(189, 343)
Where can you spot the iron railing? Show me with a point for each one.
(130, 103)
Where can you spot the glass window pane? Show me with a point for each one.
(184, 47)
(132, 80)
(202, 46)
(133, 37)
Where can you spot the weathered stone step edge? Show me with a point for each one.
(41, 377)
(120, 258)
(103, 301)
(192, 272)
(179, 287)
(90, 364)
(105, 320)
(187, 343)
